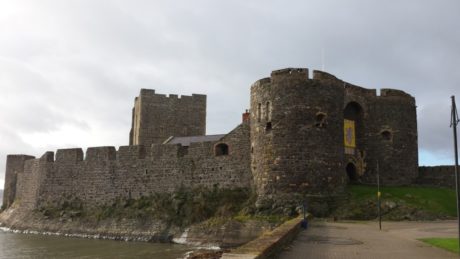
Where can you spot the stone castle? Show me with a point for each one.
(304, 136)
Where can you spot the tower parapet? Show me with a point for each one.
(321, 75)
(290, 74)
(156, 117)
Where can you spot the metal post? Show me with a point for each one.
(304, 211)
(453, 123)
(304, 223)
(378, 197)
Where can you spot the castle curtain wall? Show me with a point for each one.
(133, 171)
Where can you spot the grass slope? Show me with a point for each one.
(450, 244)
(439, 200)
(399, 203)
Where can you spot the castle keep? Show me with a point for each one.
(302, 136)
(157, 117)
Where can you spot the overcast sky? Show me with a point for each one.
(69, 70)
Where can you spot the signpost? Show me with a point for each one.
(453, 123)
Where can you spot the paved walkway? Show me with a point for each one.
(364, 240)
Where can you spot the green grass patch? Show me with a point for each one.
(450, 244)
(435, 200)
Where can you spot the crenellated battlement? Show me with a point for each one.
(69, 155)
(261, 83)
(19, 156)
(102, 174)
(123, 154)
(301, 72)
(358, 91)
(127, 153)
(321, 75)
(147, 92)
(389, 93)
(100, 154)
(289, 74)
(278, 76)
(47, 157)
(150, 93)
(295, 74)
(160, 150)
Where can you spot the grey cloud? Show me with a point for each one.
(81, 63)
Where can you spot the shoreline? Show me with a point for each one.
(214, 235)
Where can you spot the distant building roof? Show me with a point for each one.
(185, 141)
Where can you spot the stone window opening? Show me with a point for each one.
(386, 135)
(268, 112)
(320, 120)
(268, 127)
(221, 149)
(259, 111)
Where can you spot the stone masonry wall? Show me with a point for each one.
(156, 117)
(106, 174)
(393, 138)
(30, 180)
(436, 176)
(14, 165)
(389, 135)
(292, 143)
(296, 134)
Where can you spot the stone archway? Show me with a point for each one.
(352, 172)
(221, 149)
(353, 112)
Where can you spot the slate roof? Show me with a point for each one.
(185, 141)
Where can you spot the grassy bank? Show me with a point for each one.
(181, 208)
(398, 203)
(450, 244)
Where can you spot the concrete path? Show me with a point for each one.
(364, 240)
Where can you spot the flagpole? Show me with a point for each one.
(454, 121)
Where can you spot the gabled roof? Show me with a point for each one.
(185, 141)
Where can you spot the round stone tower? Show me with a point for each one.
(297, 136)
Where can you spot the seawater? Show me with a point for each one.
(15, 245)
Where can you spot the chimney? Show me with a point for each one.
(246, 117)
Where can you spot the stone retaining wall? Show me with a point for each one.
(268, 244)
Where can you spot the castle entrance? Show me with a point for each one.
(352, 173)
(353, 136)
(353, 126)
